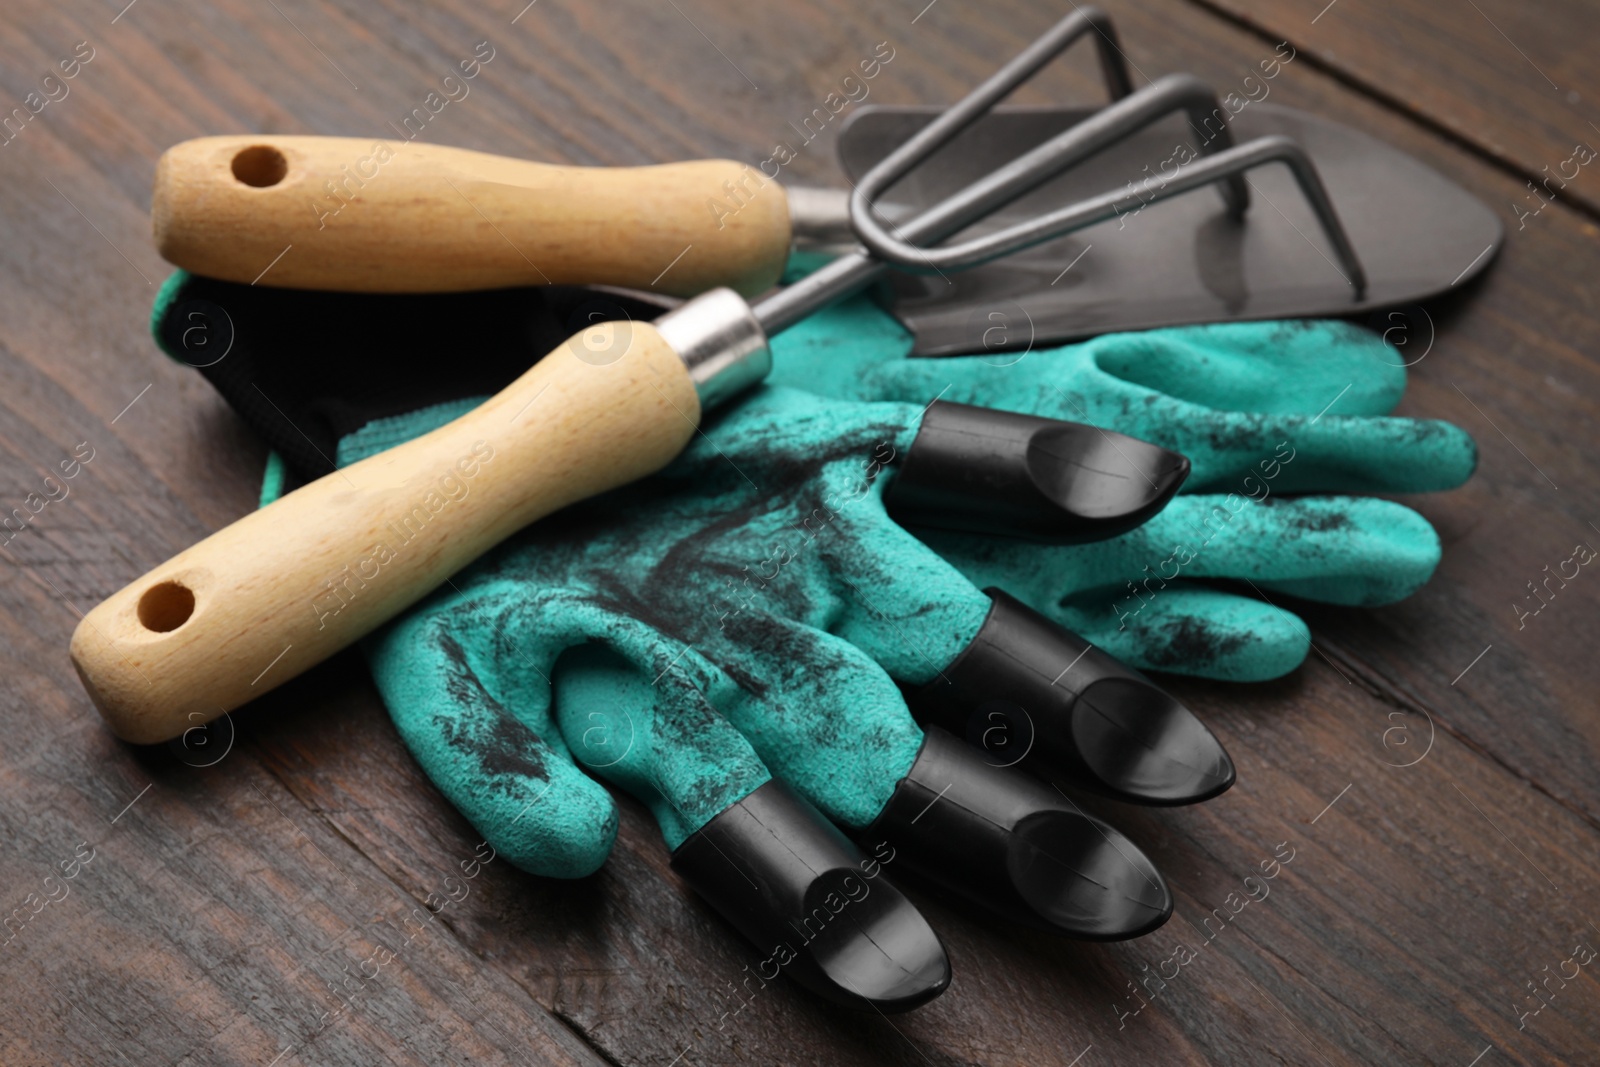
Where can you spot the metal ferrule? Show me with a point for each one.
(720, 342)
(819, 219)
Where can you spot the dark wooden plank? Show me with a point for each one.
(1509, 79)
(201, 915)
(1416, 907)
(1511, 360)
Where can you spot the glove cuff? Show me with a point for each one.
(1008, 842)
(306, 369)
(1032, 692)
(817, 907)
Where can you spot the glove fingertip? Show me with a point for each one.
(1432, 456)
(1237, 640)
(1386, 552)
(538, 810)
(516, 784)
(1457, 455)
(566, 832)
(1204, 633)
(1272, 655)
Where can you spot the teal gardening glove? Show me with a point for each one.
(608, 638)
(941, 611)
(1263, 410)
(689, 705)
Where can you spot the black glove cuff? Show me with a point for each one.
(304, 368)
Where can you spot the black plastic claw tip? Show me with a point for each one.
(1032, 692)
(817, 908)
(979, 470)
(1008, 842)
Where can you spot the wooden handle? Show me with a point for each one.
(286, 587)
(356, 215)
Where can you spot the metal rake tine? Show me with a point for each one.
(1224, 162)
(1175, 92)
(1222, 165)
(1001, 84)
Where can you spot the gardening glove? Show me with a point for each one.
(670, 684)
(972, 469)
(1262, 409)
(687, 702)
(1266, 412)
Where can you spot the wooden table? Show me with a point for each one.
(1435, 767)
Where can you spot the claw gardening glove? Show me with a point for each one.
(1262, 410)
(622, 638)
(668, 684)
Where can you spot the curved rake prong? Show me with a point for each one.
(1222, 162)
(1113, 123)
(1001, 84)
(1223, 165)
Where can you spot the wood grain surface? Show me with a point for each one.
(294, 890)
(1511, 82)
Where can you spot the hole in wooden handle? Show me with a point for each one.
(166, 606)
(260, 165)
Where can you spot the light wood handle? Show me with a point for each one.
(362, 215)
(282, 589)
